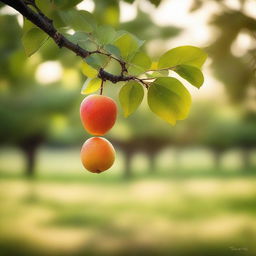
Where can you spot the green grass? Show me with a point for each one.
(146, 217)
(67, 211)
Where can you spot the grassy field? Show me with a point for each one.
(82, 214)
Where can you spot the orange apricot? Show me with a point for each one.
(97, 154)
(98, 114)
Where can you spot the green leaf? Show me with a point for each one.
(80, 36)
(188, 55)
(27, 25)
(97, 60)
(128, 45)
(88, 71)
(139, 64)
(113, 67)
(46, 6)
(105, 34)
(33, 39)
(169, 99)
(191, 74)
(82, 39)
(112, 50)
(160, 73)
(120, 33)
(91, 85)
(130, 97)
(78, 20)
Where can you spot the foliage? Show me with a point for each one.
(167, 97)
(27, 109)
(131, 96)
(235, 69)
(144, 27)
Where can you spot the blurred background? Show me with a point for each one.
(183, 190)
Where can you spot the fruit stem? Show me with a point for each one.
(101, 87)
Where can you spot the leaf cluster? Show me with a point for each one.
(114, 50)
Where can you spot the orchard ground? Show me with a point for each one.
(187, 210)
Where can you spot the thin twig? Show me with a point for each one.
(101, 87)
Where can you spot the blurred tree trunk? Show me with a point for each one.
(246, 159)
(217, 158)
(30, 154)
(177, 159)
(128, 162)
(152, 162)
(30, 147)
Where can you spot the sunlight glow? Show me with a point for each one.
(87, 5)
(176, 13)
(250, 8)
(196, 32)
(6, 10)
(49, 72)
(128, 12)
(241, 45)
(233, 4)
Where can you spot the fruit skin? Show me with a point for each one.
(97, 154)
(98, 114)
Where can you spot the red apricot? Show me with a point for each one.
(97, 154)
(98, 114)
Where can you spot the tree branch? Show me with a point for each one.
(113, 78)
(43, 22)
